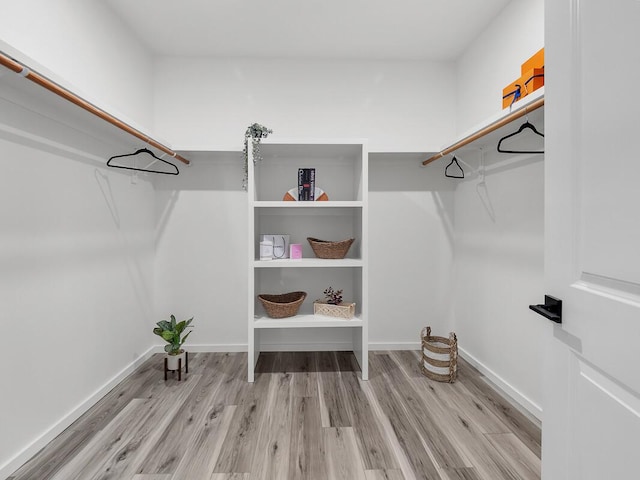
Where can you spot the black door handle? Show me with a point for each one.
(552, 309)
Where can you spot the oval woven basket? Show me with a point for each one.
(327, 249)
(282, 305)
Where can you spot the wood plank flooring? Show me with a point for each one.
(307, 416)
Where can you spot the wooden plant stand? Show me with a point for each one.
(186, 366)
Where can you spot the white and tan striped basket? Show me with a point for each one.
(439, 356)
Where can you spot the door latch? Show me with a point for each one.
(552, 308)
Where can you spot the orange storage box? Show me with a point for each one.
(532, 80)
(536, 61)
(512, 93)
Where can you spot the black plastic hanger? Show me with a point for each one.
(143, 150)
(446, 170)
(522, 127)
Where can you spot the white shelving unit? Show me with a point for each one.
(342, 172)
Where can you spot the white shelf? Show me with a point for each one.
(295, 148)
(342, 169)
(307, 321)
(309, 263)
(327, 204)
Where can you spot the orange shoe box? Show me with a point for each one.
(536, 61)
(532, 80)
(512, 93)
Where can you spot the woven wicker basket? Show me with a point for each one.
(344, 310)
(282, 305)
(439, 356)
(327, 249)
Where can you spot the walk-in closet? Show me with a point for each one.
(311, 193)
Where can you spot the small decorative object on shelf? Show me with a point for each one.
(256, 132)
(439, 356)
(295, 252)
(333, 306)
(334, 297)
(266, 250)
(282, 305)
(280, 246)
(306, 184)
(175, 334)
(328, 249)
(319, 195)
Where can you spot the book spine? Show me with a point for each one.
(300, 184)
(312, 184)
(304, 190)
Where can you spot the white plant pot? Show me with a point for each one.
(172, 360)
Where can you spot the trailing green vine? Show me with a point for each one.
(256, 132)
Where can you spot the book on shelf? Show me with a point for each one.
(306, 184)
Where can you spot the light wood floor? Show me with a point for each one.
(306, 416)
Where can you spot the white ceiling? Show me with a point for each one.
(367, 29)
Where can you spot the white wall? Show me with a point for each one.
(411, 250)
(499, 227)
(499, 270)
(201, 252)
(493, 61)
(207, 103)
(201, 259)
(76, 276)
(76, 288)
(85, 47)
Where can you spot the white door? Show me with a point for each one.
(591, 423)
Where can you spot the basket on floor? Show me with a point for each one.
(282, 305)
(327, 249)
(439, 356)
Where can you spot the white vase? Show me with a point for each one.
(172, 360)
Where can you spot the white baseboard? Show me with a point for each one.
(375, 346)
(213, 347)
(527, 405)
(298, 347)
(34, 447)
(306, 347)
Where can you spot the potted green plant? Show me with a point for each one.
(174, 333)
(333, 306)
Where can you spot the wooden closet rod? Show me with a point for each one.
(486, 130)
(43, 81)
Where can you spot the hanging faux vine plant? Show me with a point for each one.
(256, 132)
